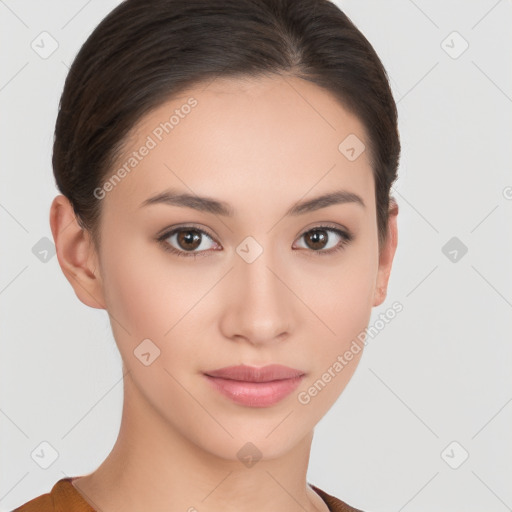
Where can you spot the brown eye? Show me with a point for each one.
(187, 241)
(316, 239)
(322, 240)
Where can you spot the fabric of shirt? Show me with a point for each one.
(65, 498)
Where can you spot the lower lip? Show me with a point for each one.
(255, 394)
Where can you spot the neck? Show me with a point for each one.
(154, 467)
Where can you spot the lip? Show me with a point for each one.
(255, 387)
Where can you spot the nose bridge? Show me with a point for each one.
(261, 303)
(258, 277)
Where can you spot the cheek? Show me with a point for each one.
(342, 298)
(341, 295)
(144, 294)
(351, 299)
(343, 304)
(347, 315)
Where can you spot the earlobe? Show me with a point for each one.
(386, 255)
(76, 253)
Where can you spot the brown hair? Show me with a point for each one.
(145, 52)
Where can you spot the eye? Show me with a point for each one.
(190, 241)
(187, 239)
(318, 240)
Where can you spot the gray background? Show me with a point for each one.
(438, 373)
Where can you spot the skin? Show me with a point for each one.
(261, 146)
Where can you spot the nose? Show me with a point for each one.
(260, 305)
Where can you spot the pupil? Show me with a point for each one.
(318, 237)
(189, 237)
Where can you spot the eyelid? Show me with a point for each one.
(166, 232)
(325, 225)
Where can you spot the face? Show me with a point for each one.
(251, 277)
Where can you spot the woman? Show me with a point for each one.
(225, 169)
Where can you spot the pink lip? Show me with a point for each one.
(255, 387)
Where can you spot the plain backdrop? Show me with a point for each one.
(425, 423)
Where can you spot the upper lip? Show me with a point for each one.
(254, 374)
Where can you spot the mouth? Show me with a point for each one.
(255, 387)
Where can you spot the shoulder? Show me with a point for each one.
(62, 497)
(334, 504)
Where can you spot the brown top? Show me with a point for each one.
(65, 498)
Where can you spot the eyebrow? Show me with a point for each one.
(210, 205)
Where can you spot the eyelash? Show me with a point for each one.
(346, 238)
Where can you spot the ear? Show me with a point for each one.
(386, 255)
(76, 253)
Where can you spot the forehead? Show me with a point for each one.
(270, 136)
